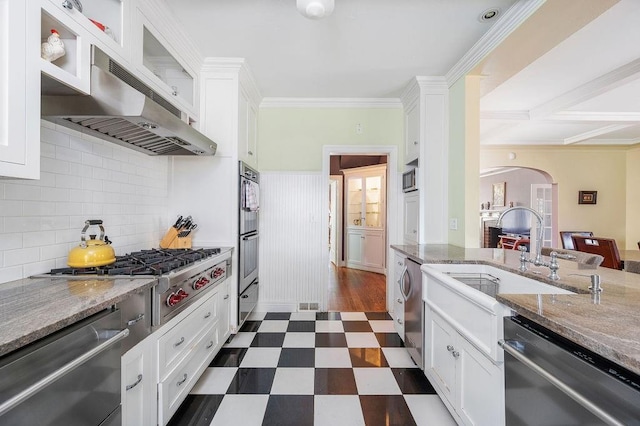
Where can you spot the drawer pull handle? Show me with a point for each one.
(226, 296)
(455, 354)
(450, 348)
(208, 315)
(399, 321)
(184, 379)
(129, 387)
(210, 344)
(135, 320)
(175, 345)
(399, 301)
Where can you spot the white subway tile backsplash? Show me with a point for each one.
(68, 181)
(21, 256)
(38, 267)
(54, 165)
(53, 137)
(10, 208)
(38, 208)
(48, 223)
(91, 184)
(54, 251)
(77, 143)
(47, 150)
(55, 194)
(21, 192)
(68, 154)
(10, 274)
(37, 239)
(22, 224)
(40, 220)
(11, 241)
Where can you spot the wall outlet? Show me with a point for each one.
(453, 224)
(358, 129)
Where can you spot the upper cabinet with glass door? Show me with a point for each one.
(163, 67)
(365, 196)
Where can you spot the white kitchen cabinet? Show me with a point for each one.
(138, 384)
(412, 133)
(184, 350)
(160, 63)
(411, 217)
(467, 381)
(398, 297)
(229, 108)
(365, 208)
(247, 128)
(19, 89)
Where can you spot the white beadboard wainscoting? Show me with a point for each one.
(82, 177)
(293, 256)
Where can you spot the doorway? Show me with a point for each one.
(352, 288)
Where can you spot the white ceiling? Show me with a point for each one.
(365, 49)
(566, 76)
(583, 91)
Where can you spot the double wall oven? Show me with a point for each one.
(248, 241)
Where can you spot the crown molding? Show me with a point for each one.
(331, 103)
(512, 19)
(222, 64)
(594, 116)
(422, 85)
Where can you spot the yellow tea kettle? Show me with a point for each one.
(92, 253)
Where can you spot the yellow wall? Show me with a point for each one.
(291, 139)
(602, 169)
(633, 198)
(464, 172)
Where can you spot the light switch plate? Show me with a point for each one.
(453, 224)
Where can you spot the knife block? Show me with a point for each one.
(169, 238)
(181, 242)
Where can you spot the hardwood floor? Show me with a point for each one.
(353, 290)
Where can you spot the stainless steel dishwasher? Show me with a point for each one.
(552, 381)
(69, 378)
(411, 286)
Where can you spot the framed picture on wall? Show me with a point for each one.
(587, 197)
(499, 194)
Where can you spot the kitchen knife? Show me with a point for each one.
(178, 222)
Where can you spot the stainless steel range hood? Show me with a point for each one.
(123, 110)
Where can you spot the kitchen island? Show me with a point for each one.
(33, 308)
(607, 326)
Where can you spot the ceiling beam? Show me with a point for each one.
(595, 133)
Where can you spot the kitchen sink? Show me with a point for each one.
(491, 280)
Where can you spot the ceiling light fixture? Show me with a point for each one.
(315, 9)
(489, 15)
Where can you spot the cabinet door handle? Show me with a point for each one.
(455, 354)
(399, 321)
(399, 301)
(450, 348)
(133, 385)
(415, 142)
(226, 296)
(181, 341)
(209, 345)
(249, 152)
(208, 315)
(184, 379)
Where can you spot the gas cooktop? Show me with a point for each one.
(145, 262)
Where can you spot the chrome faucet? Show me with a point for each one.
(553, 266)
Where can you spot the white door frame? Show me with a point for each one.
(392, 228)
(337, 220)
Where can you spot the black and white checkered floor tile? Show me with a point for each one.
(310, 368)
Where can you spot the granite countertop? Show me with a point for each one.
(33, 308)
(607, 325)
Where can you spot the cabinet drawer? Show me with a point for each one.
(175, 343)
(398, 314)
(174, 389)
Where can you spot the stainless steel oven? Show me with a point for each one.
(248, 241)
(71, 377)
